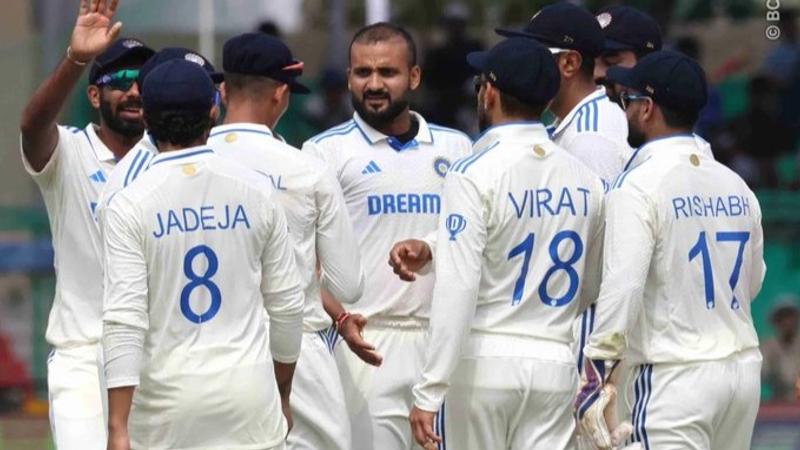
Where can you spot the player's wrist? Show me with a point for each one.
(77, 59)
(340, 320)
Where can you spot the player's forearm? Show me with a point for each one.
(38, 121)
(284, 373)
(286, 325)
(122, 349)
(119, 407)
(332, 307)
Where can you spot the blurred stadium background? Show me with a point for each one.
(752, 120)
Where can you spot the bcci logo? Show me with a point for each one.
(195, 58)
(455, 224)
(441, 165)
(131, 43)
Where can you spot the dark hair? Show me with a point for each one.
(384, 31)
(251, 86)
(676, 118)
(181, 128)
(514, 107)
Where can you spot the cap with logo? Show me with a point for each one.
(171, 53)
(563, 26)
(627, 28)
(123, 53)
(520, 67)
(177, 85)
(263, 55)
(670, 78)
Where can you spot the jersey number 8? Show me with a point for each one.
(526, 248)
(196, 281)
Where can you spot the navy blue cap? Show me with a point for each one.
(123, 51)
(172, 53)
(564, 26)
(670, 78)
(627, 28)
(520, 67)
(262, 55)
(178, 85)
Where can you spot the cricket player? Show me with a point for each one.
(588, 124)
(139, 158)
(630, 34)
(390, 164)
(260, 74)
(683, 260)
(518, 258)
(195, 249)
(70, 166)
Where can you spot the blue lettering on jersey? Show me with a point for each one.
(277, 181)
(539, 202)
(719, 206)
(404, 203)
(205, 218)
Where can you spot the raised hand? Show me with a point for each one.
(408, 257)
(94, 31)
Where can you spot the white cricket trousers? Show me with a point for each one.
(317, 401)
(77, 395)
(379, 399)
(510, 393)
(710, 405)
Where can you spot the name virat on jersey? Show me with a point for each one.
(203, 218)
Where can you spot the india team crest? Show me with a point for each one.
(441, 165)
(195, 58)
(604, 19)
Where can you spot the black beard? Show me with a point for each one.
(120, 126)
(635, 137)
(379, 120)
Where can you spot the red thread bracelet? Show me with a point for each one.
(340, 319)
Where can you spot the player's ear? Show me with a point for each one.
(93, 94)
(569, 63)
(214, 115)
(415, 76)
(279, 92)
(223, 94)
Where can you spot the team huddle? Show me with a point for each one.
(581, 283)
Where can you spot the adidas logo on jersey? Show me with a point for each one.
(98, 177)
(372, 167)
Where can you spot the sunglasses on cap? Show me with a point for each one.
(121, 80)
(626, 98)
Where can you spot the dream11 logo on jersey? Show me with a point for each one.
(455, 224)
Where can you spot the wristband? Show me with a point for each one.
(340, 320)
(71, 59)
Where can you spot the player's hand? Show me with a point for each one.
(350, 330)
(118, 439)
(595, 406)
(422, 428)
(408, 257)
(94, 31)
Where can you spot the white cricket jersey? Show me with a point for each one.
(596, 132)
(312, 200)
(70, 184)
(392, 192)
(133, 164)
(683, 261)
(518, 253)
(195, 249)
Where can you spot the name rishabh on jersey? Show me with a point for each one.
(70, 184)
(684, 258)
(392, 192)
(312, 200)
(196, 249)
(596, 132)
(518, 196)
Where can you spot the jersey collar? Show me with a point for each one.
(186, 155)
(512, 131)
(598, 94)
(231, 129)
(373, 136)
(671, 144)
(101, 151)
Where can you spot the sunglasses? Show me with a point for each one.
(626, 98)
(121, 80)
